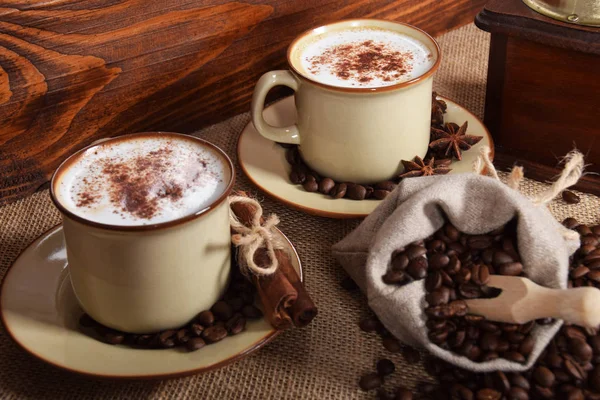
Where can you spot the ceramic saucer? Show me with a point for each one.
(264, 163)
(40, 312)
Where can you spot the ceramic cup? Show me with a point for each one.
(353, 134)
(147, 278)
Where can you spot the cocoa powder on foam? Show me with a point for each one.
(364, 61)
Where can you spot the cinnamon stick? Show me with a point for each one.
(283, 295)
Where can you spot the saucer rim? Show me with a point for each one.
(340, 215)
(269, 337)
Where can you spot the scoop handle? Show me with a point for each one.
(579, 306)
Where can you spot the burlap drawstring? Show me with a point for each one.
(573, 170)
(250, 239)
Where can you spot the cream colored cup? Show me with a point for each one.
(353, 134)
(148, 278)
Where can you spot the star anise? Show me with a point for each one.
(438, 108)
(452, 139)
(418, 167)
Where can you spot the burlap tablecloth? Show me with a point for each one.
(322, 361)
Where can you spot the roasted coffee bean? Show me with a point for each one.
(214, 333)
(438, 261)
(393, 277)
(463, 276)
(297, 176)
(356, 192)
(503, 346)
(570, 223)
(451, 232)
(417, 268)
(195, 344)
(369, 192)
(411, 354)
(251, 312)
(594, 378)
(469, 291)
(570, 197)
(86, 321)
(584, 230)
(515, 356)
(167, 338)
(292, 155)
(386, 185)
(400, 261)
(574, 393)
(338, 191)
(574, 369)
(385, 367)
(403, 394)
(446, 279)
(579, 272)
(480, 274)
(454, 265)
(457, 339)
(370, 381)
(235, 324)
(326, 185)
(509, 247)
(391, 344)
(479, 242)
(311, 185)
(222, 311)
(460, 392)
(515, 337)
(380, 194)
(573, 332)
(594, 275)
(500, 381)
(488, 341)
(349, 284)
(236, 303)
(517, 393)
(455, 248)
(438, 297)
(510, 269)
(113, 337)
(435, 324)
(182, 336)
(580, 350)
(436, 246)
(501, 257)
(205, 318)
(543, 376)
(589, 240)
(433, 282)
(526, 346)
(370, 325)
(543, 392)
(438, 337)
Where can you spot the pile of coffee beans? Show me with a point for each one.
(226, 317)
(569, 367)
(311, 181)
(457, 267)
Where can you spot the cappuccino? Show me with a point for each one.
(142, 181)
(362, 57)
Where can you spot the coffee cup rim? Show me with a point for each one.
(150, 227)
(378, 89)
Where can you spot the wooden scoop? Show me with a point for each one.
(522, 300)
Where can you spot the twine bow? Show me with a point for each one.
(573, 170)
(250, 239)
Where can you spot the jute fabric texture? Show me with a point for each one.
(322, 361)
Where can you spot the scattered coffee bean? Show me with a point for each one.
(222, 311)
(310, 185)
(411, 354)
(388, 186)
(251, 312)
(182, 336)
(370, 325)
(392, 344)
(338, 191)
(206, 318)
(326, 185)
(385, 367)
(214, 334)
(380, 194)
(570, 197)
(370, 381)
(356, 192)
(195, 344)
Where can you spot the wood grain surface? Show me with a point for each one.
(543, 92)
(73, 71)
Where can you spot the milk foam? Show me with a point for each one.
(142, 181)
(387, 58)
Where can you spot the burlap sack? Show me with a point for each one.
(475, 205)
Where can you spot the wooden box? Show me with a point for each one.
(543, 90)
(73, 71)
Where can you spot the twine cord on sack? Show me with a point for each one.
(573, 170)
(250, 239)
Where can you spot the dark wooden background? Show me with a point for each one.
(73, 71)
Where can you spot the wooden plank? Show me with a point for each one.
(73, 71)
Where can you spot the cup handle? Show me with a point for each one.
(288, 134)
